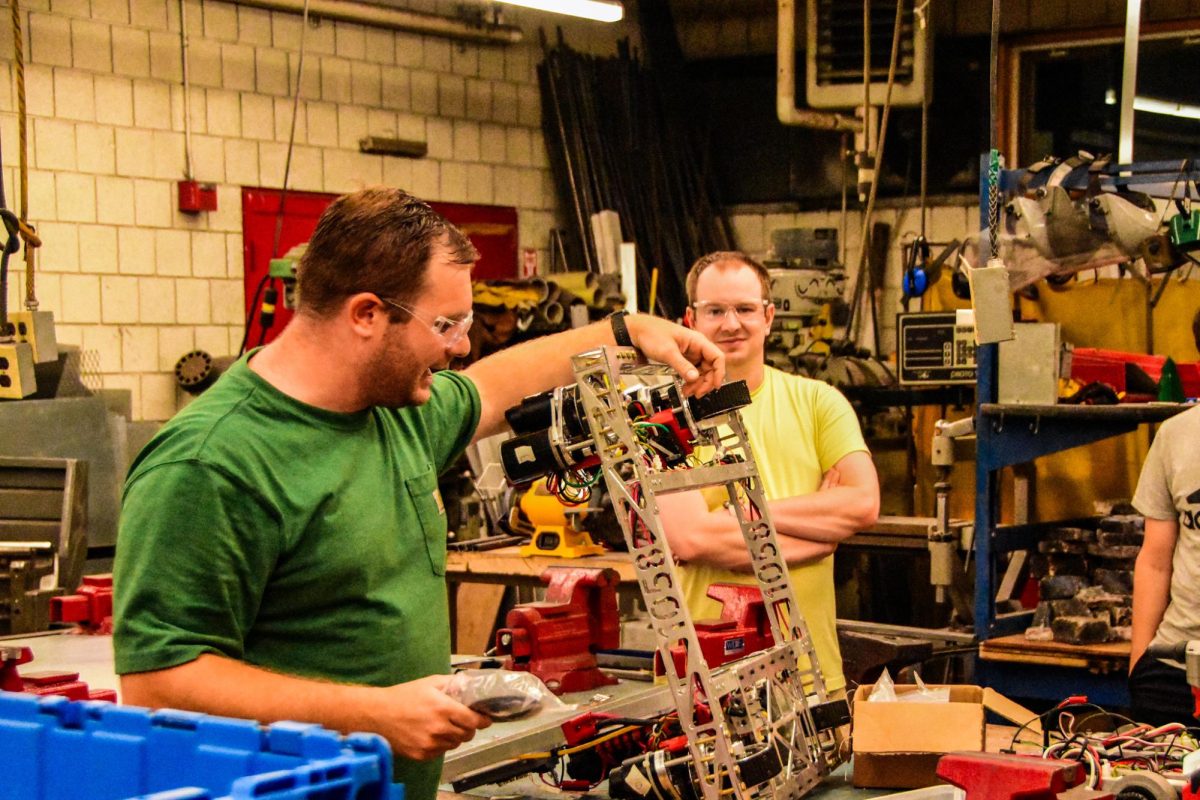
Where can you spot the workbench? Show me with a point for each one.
(475, 583)
(1053, 669)
(506, 740)
(61, 651)
(505, 565)
(476, 579)
(92, 658)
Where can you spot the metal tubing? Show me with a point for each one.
(1133, 21)
(785, 81)
(187, 92)
(395, 19)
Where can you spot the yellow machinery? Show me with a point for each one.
(553, 532)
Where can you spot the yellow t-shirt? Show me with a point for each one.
(798, 428)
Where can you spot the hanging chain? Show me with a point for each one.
(993, 177)
(994, 202)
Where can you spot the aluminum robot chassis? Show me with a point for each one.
(762, 741)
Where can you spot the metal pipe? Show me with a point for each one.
(395, 19)
(785, 81)
(187, 93)
(866, 103)
(1133, 22)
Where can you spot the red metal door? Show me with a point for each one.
(493, 231)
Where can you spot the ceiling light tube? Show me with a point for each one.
(1168, 107)
(599, 10)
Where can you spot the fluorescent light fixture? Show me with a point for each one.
(1168, 107)
(599, 10)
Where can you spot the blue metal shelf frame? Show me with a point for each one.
(1008, 435)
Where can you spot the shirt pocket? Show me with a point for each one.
(427, 502)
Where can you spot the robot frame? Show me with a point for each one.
(761, 726)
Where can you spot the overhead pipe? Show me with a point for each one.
(1133, 24)
(395, 19)
(785, 82)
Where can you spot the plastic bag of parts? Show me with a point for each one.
(502, 694)
(885, 692)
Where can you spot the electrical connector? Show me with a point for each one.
(17, 378)
(36, 328)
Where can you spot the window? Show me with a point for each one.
(1068, 96)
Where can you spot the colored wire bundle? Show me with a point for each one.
(1129, 747)
(573, 487)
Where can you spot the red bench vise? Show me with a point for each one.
(557, 639)
(48, 682)
(90, 608)
(1004, 776)
(743, 627)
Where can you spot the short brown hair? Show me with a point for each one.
(375, 240)
(736, 256)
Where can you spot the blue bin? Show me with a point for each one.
(52, 748)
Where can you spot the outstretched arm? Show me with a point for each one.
(418, 719)
(507, 377)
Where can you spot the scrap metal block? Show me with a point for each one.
(1080, 630)
(1061, 587)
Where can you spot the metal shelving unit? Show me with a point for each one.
(1007, 435)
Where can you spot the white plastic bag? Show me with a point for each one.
(503, 694)
(924, 694)
(884, 691)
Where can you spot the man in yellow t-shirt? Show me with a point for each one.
(817, 473)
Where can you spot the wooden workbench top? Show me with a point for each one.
(1016, 648)
(507, 562)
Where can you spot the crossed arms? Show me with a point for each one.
(809, 526)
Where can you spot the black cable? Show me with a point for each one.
(283, 195)
(1058, 710)
(266, 319)
(4, 202)
(4, 258)
(253, 308)
(11, 245)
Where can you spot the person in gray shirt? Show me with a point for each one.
(1166, 576)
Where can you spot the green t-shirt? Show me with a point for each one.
(296, 539)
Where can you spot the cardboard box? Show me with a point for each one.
(897, 745)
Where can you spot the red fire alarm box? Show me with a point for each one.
(195, 197)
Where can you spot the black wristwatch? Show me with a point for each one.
(620, 329)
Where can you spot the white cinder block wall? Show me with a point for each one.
(140, 283)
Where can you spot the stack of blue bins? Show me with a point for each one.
(52, 748)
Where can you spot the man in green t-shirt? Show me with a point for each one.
(282, 545)
(817, 473)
